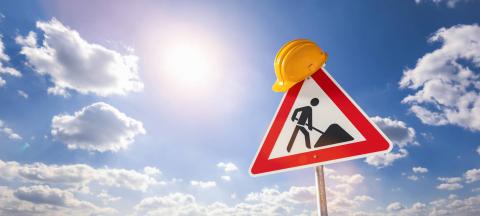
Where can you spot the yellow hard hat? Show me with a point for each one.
(295, 61)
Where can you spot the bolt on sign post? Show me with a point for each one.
(316, 123)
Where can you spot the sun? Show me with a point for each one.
(189, 70)
(189, 64)
(185, 61)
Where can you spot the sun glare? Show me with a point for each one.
(190, 66)
(190, 70)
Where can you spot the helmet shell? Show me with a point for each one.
(295, 61)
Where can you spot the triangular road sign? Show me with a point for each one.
(317, 123)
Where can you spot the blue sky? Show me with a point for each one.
(93, 93)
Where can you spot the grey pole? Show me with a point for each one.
(321, 192)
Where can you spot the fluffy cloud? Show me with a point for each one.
(75, 64)
(9, 132)
(450, 183)
(343, 199)
(227, 166)
(450, 179)
(293, 195)
(419, 169)
(107, 198)
(269, 201)
(395, 206)
(413, 177)
(449, 3)
(418, 208)
(478, 150)
(449, 186)
(4, 59)
(174, 204)
(151, 171)
(446, 81)
(442, 206)
(455, 206)
(296, 200)
(22, 94)
(349, 179)
(44, 200)
(226, 178)
(397, 131)
(400, 134)
(181, 204)
(472, 175)
(386, 159)
(76, 176)
(98, 127)
(203, 184)
(40, 194)
(363, 198)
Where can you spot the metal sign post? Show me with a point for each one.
(321, 192)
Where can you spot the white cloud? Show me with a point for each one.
(9, 132)
(452, 196)
(40, 194)
(203, 184)
(395, 206)
(450, 179)
(294, 195)
(72, 63)
(478, 150)
(226, 178)
(97, 127)
(227, 166)
(363, 198)
(472, 175)
(387, 159)
(449, 3)
(441, 206)
(446, 81)
(300, 201)
(419, 169)
(151, 171)
(44, 200)
(76, 175)
(398, 209)
(4, 59)
(449, 186)
(349, 179)
(181, 204)
(107, 198)
(397, 131)
(413, 177)
(174, 204)
(453, 206)
(400, 134)
(450, 183)
(22, 94)
(296, 200)
(418, 206)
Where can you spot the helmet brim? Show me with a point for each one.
(280, 86)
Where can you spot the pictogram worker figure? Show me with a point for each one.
(305, 119)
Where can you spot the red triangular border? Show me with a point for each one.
(375, 140)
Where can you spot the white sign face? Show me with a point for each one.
(323, 115)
